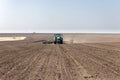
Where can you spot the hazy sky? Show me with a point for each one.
(60, 16)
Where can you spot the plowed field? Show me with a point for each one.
(36, 61)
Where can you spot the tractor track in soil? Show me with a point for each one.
(59, 62)
(107, 64)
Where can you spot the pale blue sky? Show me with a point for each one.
(60, 16)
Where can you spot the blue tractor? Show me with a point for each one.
(58, 39)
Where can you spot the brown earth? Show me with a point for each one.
(29, 60)
(91, 38)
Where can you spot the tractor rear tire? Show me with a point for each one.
(54, 42)
(61, 42)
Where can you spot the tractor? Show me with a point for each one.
(58, 39)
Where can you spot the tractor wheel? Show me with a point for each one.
(54, 42)
(61, 42)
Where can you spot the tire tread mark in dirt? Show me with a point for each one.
(16, 60)
(62, 73)
(83, 75)
(9, 64)
(25, 50)
(107, 63)
(35, 74)
(102, 62)
(68, 74)
(41, 71)
(34, 61)
(30, 57)
(50, 74)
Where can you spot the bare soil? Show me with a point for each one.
(29, 60)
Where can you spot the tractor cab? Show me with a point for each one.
(58, 39)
